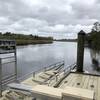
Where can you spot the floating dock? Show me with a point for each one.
(71, 85)
(57, 82)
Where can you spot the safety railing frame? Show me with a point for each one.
(47, 68)
(7, 47)
(66, 71)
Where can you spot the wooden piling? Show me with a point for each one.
(80, 51)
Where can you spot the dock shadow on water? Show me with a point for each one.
(95, 59)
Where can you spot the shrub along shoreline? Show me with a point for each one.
(27, 42)
(22, 39)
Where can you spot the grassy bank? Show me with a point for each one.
(27, 42)
(67, 40)
(22, 39)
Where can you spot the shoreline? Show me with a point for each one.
(33, 42)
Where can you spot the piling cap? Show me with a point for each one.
(81, 33)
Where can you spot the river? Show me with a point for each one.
(33, 57)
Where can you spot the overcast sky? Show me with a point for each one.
(58, 18)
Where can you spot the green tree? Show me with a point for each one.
(94, 36)
(96, 27)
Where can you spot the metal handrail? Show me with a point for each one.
(47, 68)
(7, 57)
(54, 65)
(69, 68)
(39, 70)
(56, 74)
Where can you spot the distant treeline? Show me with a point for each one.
(22, 39)
(67, 40)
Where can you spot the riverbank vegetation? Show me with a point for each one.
(93, 37)
(66, 40)
(22, 39)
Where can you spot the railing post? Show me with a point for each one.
(15, 53)
(34, 74)
(80, 51)
(44, 69)
(63, 64)
(56, 77)
(0, 78)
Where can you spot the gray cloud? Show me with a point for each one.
(43, 17)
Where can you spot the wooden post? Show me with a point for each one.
(80, 51)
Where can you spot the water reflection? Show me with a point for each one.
(34, 57)
(95, 58)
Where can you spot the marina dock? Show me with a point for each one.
(72, 82)
(83, 81)
(55, 82)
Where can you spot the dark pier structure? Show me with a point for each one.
(8, 63)
(80, 51)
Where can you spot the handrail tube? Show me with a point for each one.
(69, 67)
(7, 57)
(34, 72)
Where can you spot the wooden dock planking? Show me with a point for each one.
(95, 84)
(90, 83)
(70, 80)
(98, 89)
(83, 81)
(40, 78)
(78, 81)
(65, 81)
(86, 82)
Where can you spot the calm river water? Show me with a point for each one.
(33, 57)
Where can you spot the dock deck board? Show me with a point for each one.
(84, 81)
(74, 80)
(98, 89)
(68, 79)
